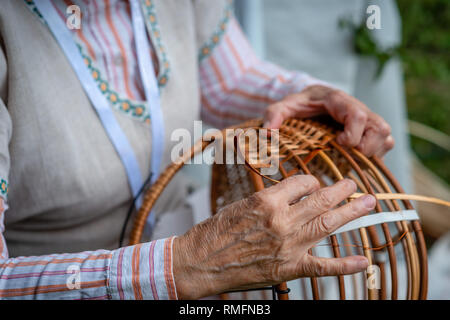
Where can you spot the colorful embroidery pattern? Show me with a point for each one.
(127, 106)
(33, 8)
(208, 47)
(152, 25)
(3, 187)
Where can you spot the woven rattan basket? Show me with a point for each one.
(309, 147)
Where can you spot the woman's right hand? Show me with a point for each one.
(264, 239)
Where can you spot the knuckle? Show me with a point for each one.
(384, 128)
(278, 227)
(306, 181)
(360, 116)
(253, 201)
(268, 203)
(307, 269)
(352, 140)
(336, 96)
(325, 224)
(268, 212)
(322, 199)
(390, 143)
(321, 268)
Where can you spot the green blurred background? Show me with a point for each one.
(425, 53)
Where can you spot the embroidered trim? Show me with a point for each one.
(3, 187)
(33, 8)
(210, 44)
(132, 108)
(137, 110)
(152, 25)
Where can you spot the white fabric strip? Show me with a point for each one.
(378, 218)
(150, 83)
(98, 100)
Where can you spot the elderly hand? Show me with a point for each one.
(362, 128)
(264, 239)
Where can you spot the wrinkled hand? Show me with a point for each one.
(264, 239)
(363, 129)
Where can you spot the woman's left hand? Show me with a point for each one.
(363, 128)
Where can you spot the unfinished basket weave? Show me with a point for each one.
(309, 147)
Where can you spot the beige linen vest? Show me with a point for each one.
(68, 190)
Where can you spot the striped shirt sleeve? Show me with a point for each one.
(142, 271)
(236, 85)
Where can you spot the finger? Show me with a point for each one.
(292, 188)
(371, 143)
(319, 267)
(388, 145)
(374, 137)
(352, 113)
(323, 200)
(275, 114)
(354, 126)
(327, 223)
(296, 105)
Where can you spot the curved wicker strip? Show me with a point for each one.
(308, 147)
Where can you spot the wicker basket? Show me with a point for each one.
(309, 147)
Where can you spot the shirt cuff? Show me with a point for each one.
(143, 272)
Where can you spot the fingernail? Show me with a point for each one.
(369, 201)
